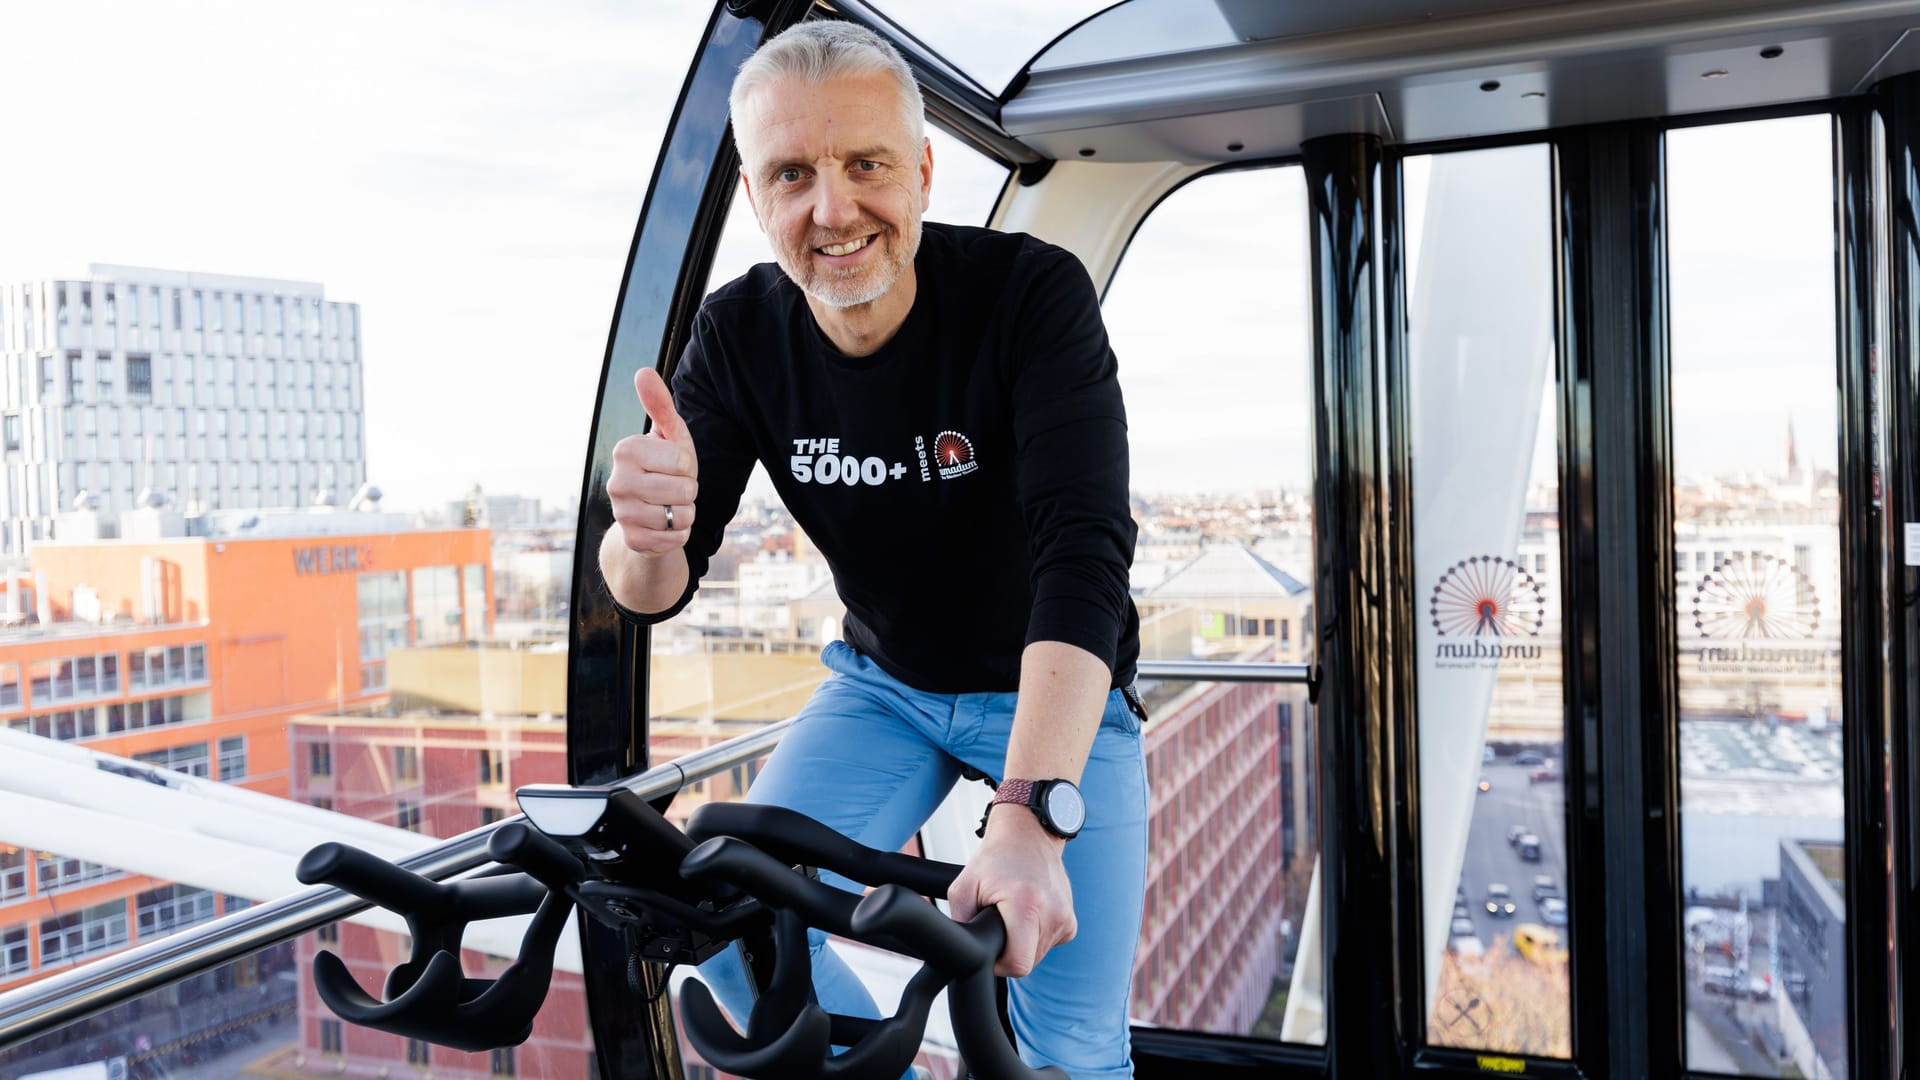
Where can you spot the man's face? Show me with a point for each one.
(838, 183)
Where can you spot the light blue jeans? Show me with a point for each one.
(873, 757)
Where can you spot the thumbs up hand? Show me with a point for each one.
(655, 476)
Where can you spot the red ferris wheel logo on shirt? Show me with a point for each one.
(953, 454)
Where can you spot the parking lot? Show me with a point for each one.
(1512, 800)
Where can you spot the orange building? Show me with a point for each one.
(193, 654)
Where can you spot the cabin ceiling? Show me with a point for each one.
(1205, 81)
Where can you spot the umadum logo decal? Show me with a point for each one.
(1763, 611)
(953, 455)
(1750, 594)
(1491, 606)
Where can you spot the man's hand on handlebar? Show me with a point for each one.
(1018, 869)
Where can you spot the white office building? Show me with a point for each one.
(208, 391)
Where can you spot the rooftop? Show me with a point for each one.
(1831, 859)
(28, 633)
(148, 275)
(1745, 749)
(1227, 570)
(1741, 767)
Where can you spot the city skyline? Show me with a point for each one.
(482, 224)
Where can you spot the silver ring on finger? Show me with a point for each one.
(669, 517)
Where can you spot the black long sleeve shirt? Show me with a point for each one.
(967, 483)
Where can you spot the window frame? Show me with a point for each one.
(1634, 778)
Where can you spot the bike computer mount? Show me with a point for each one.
(740, 871)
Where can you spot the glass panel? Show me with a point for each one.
(1222, 571)
(13, 871)
(1151, 27)
(990, 42)
(251, 1018)
(473, 603)
(1757, 511)
(276, 620)
(436, 605)
(233, 758)
(1494, 909)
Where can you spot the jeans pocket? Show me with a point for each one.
(1123, 712)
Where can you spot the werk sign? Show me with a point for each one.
(332, 560)
(820, 461)
(1487, 609)
(1760, 613)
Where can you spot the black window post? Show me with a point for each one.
(686, 205)
(1862, 610)
(1617, 546)
(1899, 104)
(1351, 587)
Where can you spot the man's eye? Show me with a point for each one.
(867, 166)
(787, 176)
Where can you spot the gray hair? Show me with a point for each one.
(816, 51)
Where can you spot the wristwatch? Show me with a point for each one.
(1057, 803)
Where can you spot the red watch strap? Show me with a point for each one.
(1019, 792)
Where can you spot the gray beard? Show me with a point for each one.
(874, 291)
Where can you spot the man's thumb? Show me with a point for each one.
(658, 401)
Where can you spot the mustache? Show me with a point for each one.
(821, 240)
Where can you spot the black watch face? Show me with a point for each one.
(1065, 808)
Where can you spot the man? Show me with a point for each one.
(940, 412)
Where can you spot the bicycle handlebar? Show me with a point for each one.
(737, 869)
(746, 845)
(797, 839)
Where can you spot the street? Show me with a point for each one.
(1541, 809)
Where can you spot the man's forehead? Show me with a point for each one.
(788, 116)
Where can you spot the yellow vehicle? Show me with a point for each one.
(1539, 944)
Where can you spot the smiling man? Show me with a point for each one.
(940, 411)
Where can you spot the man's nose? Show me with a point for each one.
(834, 204)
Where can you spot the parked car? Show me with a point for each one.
(1728, 982)
(1463, 928)
(1467, 950)
(1460, 912)
(1544, 886)
(1487, 756)
(1547, 775)
(1529, 757)
(1500, 901)
(1529, 848)
(1553, 911)
(1514, 833)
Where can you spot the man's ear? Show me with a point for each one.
(746, 184)
(926, 173)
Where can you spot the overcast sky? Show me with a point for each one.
(471, 173)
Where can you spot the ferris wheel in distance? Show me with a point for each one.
(1488, 595)
(1750, 594)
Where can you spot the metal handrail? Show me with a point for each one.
(72, 995)
(80, 992)
(1225, 671)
